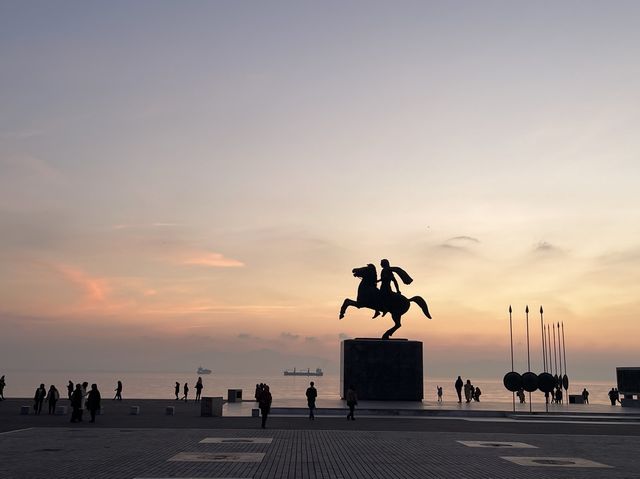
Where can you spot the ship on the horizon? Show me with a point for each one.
(202, 370)
(308, 372)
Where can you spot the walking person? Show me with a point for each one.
(186, 392)
(439, 388)
(2, 385)
(312, 394)
(76, 404)
(70, 389)
(458, 386)
(199, 387)
(52, 398)
(352, 400)
(177, 391)
(585, 396)
(38, 398)
(265, 404)
(118, 391)
(93, 401)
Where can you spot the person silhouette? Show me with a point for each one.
(199, 387)
(352, 401)
(2, 385)
(459, 384)
(186, 391)
(439, 389)
(585, 396)
(70, 388)
(177, 390)
(38, 398)
(52, 398)
(312, 394)
(118, 391)
(93, 401)
(265, 404)
(76, 404)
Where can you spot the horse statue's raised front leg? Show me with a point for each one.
(348, 302)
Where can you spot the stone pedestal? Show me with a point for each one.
(382, 369)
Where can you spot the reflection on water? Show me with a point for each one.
(161, 385)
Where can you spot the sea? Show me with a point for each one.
(157, 385)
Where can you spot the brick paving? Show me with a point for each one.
(128, 453)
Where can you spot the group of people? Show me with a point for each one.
(79, 395)
(614, 396)
(471, 393)
(185, 390)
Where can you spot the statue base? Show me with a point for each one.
(382, 369)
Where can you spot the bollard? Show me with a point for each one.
(170, 411)
(61, 410)
(24, 410)
(134, 410)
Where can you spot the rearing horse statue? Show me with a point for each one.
(369, 297)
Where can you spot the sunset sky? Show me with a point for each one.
(187, 183)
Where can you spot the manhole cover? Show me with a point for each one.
(553, 462)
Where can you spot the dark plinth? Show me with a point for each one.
(382, 369)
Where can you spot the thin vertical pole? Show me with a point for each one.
(526, 311)
(564, 349)
(513, 394)
(555, 357)
(549, 348)
(559, 354)
(544, 352)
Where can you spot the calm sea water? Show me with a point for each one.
(161, 385)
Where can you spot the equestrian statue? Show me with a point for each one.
(383, 300)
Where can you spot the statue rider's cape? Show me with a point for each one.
(404, 276)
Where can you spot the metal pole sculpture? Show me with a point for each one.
(559, 352)
(544, 351)
(544, 357)
(549, 362)
(526, 311)
(555, 357)
(565, 378)
(511, 335)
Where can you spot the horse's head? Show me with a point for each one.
(367, 273)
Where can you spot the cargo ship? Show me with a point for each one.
(308, 372)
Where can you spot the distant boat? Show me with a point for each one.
(308, 372)
(202, 370)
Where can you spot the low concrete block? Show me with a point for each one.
(211, 406)
(255, 412)
(61, 410)
(170, 411)
(24, 410)
(134, 410)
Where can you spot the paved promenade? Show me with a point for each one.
(153, 445)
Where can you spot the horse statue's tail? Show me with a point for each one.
(423, 305)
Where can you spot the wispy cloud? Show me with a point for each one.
(463, 239)
(94, 289)
(213, 260)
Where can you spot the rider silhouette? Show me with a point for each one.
(386, 278)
